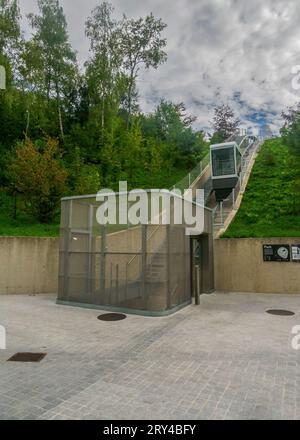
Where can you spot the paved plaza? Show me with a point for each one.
(226, 359)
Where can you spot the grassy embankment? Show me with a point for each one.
(269, 205)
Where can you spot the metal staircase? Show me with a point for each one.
(156, 268)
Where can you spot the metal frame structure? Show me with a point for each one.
(141, 269)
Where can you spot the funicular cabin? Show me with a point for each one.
(226, 163)
(225, 168)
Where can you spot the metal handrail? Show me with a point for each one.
(189, 180)
(139, 253)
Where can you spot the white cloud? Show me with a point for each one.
(232, 51)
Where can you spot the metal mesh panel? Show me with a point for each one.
(138, 267)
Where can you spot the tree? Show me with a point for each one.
(11, 42)
(103, 135)
(291, 130)
(105, 80)
(9, 25)
(11, 104)
(290, 115)
(174, 126)
(39, 178)
(225, 123)
(51, 62)
(291, 137)
(119, 49)
(170, 116)
(83, 178)
(142, 45)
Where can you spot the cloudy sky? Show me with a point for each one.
(239, 52)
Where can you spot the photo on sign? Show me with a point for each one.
(296, 253)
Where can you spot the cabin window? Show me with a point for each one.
(223, 162)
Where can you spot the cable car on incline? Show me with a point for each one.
(226, 159)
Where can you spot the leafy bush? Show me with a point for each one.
(39, 178)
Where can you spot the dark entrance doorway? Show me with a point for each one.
(201, 267)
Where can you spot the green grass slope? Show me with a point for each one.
(270, 206)
(23, 225)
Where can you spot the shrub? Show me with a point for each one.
(39, 178)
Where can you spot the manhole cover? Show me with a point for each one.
(112, 317)
(27, 357)
(280, 312)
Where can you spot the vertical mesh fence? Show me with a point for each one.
(137, 267)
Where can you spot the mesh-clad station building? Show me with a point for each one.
(150, 269)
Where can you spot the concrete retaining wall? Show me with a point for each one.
(28, 265)
(239, 267)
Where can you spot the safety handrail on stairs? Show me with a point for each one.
(139, 253)
(189, 180)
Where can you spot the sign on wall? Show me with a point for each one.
(296, 253)
(275, 252)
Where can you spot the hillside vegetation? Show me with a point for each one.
(271, 203)
(68, 130)
(25, 225)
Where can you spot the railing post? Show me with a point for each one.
(91, 260)
(68, 207)
(197, 282)
(144, 259)
(117, 283)
(103, 260)
(111, 278)
(190, 180)
(168, 256)
(126, 286)
(221, 212)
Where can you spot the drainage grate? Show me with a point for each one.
(27, 357)
(112, 317)
(280, 312)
